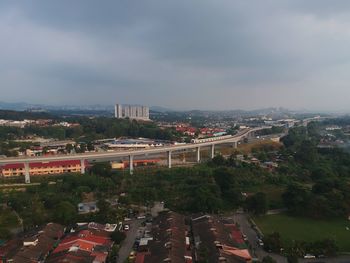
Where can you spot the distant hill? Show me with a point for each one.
(19, 106)
(160, 109)
(21, 115)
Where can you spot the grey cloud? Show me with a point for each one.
(176, 53)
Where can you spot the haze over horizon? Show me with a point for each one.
(215, 55)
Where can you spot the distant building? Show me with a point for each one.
(134, 112)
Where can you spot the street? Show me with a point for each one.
(127, 244)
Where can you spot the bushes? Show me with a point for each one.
(273, 242)
(268, 259)
(118, 237)
(326, 247)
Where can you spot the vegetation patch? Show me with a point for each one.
(304, 229)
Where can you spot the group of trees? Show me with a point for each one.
(88, 130)
(57, 202)
(257, 203)
(101, 127)
(211, 187)
(274, 243)
(326, 199)
(320, 188)
(7, 147)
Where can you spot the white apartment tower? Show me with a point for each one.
(135, 112)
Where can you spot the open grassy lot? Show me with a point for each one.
(295, 228)
(246, 148)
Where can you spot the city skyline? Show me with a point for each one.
(179, 55)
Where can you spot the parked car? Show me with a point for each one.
(260, 242)
(126, 227)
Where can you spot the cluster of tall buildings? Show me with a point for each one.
(135, 112)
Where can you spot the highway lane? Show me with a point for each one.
(97, 156)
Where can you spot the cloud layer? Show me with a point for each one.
(203, 54)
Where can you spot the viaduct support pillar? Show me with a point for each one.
(131, 164)
(212, 151)
(169, 159)
(234, 145)
(198, 154)
(82, 166)
(26, 173)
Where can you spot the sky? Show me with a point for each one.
(180, 54)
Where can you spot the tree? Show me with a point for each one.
(257, 203)
(307, 152)
(102, 169)
(292, 259)
(69, 148)
(273, 242)
(218, 160)
(295, 199)
(118, 237)
(65, 213)
(268, 259)
(104, 209)
(90, 147)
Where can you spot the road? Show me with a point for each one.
(128, 243)
(106, 155)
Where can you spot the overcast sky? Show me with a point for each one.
(181, 54)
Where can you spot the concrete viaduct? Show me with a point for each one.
(103, 156)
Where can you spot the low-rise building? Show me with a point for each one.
(42, 168)
(87, 207)
(168, 241)
(87, 245)
(218, 240)
(36, 247)
(9, 249)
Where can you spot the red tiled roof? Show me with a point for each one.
(99, 256)
(12, 166)
(236, 234)
(240, 253)
(85, 241)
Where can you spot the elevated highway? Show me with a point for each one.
(103, 156)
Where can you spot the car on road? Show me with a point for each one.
(132, 255)
(126, 227)
(309, 256)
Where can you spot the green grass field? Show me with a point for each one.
(295, 228)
